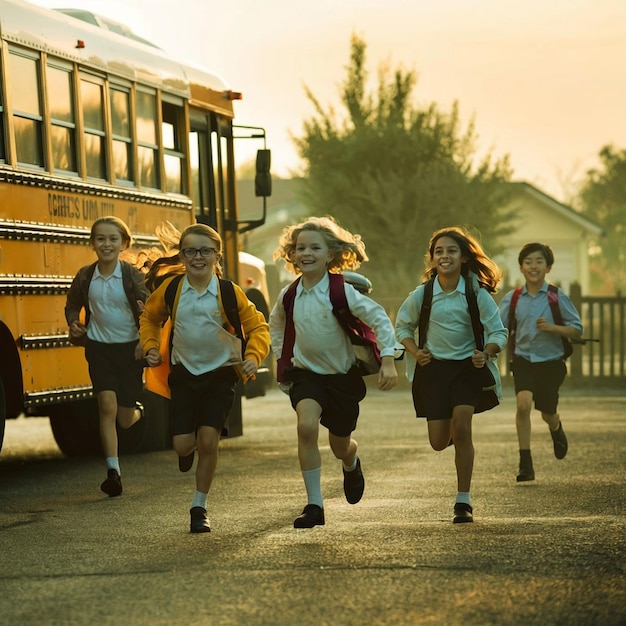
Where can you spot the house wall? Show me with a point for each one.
(538, 221)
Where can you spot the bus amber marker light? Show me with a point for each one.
(80, 43)
(234, 95)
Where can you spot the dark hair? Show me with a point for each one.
(529, 248)
(488, 273)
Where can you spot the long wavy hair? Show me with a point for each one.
(348, 250)
(486, 270)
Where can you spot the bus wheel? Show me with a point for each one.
(264, 378)
(75, 427)
(3, 413)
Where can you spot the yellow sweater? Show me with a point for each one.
(154, 332)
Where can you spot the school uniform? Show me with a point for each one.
(450, 379)
(323, 362)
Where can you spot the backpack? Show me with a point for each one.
(229, 302)
(360, 334)
(491, 385)
(555, 309)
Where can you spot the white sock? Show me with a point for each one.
(313, 484)
(113, 462)
(199, 499)
(352, 467)
(464, 496)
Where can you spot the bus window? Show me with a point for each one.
(62, 120)
(27, 117)
(2, 147)
(202, 181)
(121, 135)
(147, 139)
(173, 150)
(91, 91)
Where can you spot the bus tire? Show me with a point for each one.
(257, 388)
(75, 427)
(3, 413)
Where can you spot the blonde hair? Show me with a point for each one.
(348, 250)
(127, 237)
(166, 266)
(488, 273)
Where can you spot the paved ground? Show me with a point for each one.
(548, 552)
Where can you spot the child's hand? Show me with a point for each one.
(387, 375)
(543, 324)
(423, 356)
(479, 358)
(249, 367)
(153, 358)
(138, 352)
(77, 329)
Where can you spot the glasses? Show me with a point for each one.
(190, 253)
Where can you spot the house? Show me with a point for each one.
(539, 218)
(542, 218)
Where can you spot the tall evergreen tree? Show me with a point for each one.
(394, 173)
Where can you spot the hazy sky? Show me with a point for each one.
(544, 79)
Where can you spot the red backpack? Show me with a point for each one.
(553, 301)
(361, 335)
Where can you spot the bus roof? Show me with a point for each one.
(104, 50)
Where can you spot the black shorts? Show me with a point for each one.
(338, 395)
(441, 385)
(542, 379)
(113, 367)
(204, 400)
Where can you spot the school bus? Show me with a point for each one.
(93, 122)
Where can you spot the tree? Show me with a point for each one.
(603, 199)
(394, 173)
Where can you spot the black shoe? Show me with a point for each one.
(199, 520)
(462, 513)
(354, 483)
(560, 442)
(185, 463)
(312, 515)
(112, 486)
(525, 474)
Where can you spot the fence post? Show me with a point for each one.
(576, 360)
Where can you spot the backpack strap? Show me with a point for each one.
(472, 305)
(555, 309)
(129, 289)
(360, 334)
(231, 309)
(512, 323)
(289, 339)
(425, 312)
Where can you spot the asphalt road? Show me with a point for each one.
(547, 552)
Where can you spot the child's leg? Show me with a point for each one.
(308, 412)
(107, 412)
(463, 446)
(208, 440)
(439, 433)
(344, 448)
(127, 416)
(524, 401)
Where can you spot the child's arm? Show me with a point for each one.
(256, 332)
(151, 324)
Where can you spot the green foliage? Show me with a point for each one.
(394, 173)
(603, 198)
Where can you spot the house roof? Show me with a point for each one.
(562, 209)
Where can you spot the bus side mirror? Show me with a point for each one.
(263, 178)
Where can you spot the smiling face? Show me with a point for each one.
(203, 256)
(107, 241)
(312, 255)
(534, 267)
(447, 258)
